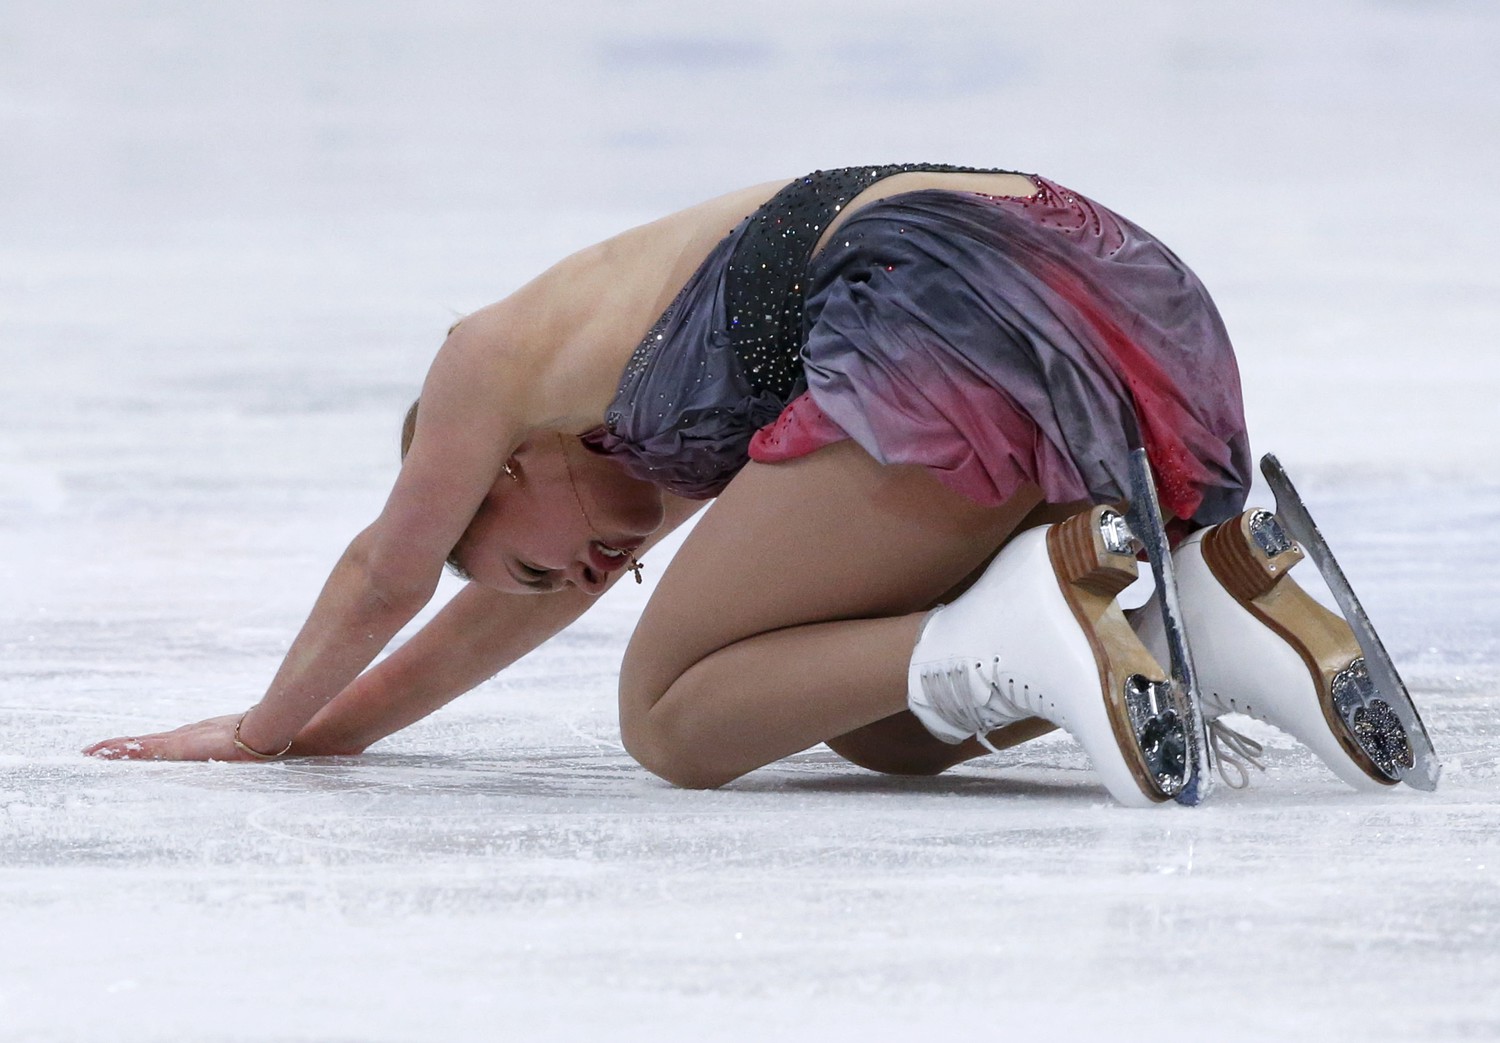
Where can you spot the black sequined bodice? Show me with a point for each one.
(765, 281)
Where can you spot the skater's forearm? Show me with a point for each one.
(476, 635)
(351, 622)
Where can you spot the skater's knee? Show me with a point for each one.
(660, 735)
(669, 757)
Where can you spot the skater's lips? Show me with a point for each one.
(608, 563)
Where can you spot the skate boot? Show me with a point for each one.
(1040, 635)
(1263, 647)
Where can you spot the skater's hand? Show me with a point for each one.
(210, 740)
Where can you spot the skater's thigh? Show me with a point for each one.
(832, 536)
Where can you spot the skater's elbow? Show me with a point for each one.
(392, 578)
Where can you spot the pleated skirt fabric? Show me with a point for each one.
(1000, 340)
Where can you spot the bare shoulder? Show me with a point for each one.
(645, 247)
(492, 357)
(564, 338)
(665, 252)
(712, 217)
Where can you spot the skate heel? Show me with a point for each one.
(1093, 557)
(1095, 551)
(1251, 556)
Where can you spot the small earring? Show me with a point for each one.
(509, 471)
(634, 566)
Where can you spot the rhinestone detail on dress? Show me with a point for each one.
(765, 283)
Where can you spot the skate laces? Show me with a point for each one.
(1235, 750)
(950, 695)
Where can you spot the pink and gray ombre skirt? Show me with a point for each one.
(1004, 340)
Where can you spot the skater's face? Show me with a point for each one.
(562, 517)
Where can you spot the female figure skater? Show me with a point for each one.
(883, 376)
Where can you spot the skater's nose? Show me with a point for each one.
(586, 578)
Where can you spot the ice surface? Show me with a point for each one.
(231, 237)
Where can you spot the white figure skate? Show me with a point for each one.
(1263, 647)
(1040, 635)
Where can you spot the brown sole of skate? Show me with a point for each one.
(1093, 556)
(1251, 556)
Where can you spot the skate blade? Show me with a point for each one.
(1145, 521)
(1251, 557)
(1368, 696)
(1093, 555)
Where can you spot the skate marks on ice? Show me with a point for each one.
(807, 885)
(498, 852)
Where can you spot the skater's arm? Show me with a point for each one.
(473, 421)
(350, 622)
(476, 635)
(480, 398)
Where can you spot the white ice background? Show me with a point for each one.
(231, 237)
